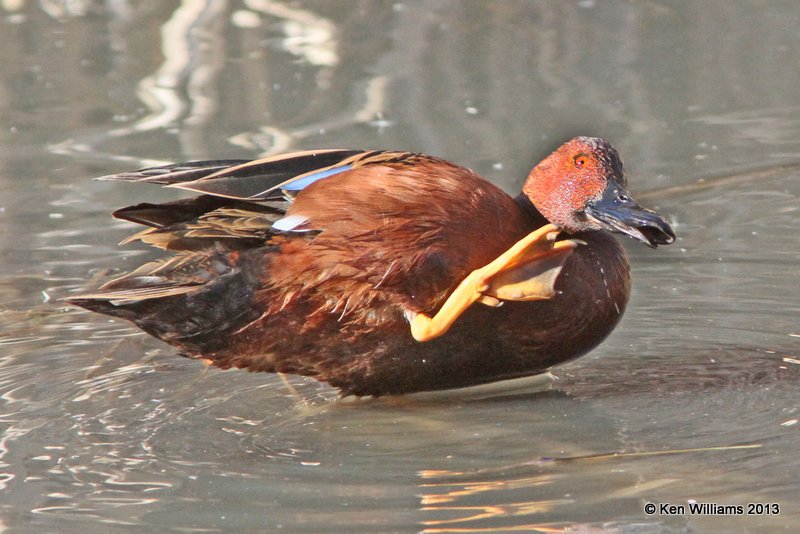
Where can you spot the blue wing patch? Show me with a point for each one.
(305, 181)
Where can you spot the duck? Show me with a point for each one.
(383, 272)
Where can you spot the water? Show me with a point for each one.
(107, 430)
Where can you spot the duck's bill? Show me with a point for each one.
(617, 212)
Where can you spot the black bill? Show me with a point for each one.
(618, 212)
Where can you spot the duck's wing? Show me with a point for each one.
(175, 172)
(240, 200)
(190, 225)
(266, 179)
(255, 181)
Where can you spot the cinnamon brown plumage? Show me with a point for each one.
(311, 263)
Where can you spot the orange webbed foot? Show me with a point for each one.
(526, 271)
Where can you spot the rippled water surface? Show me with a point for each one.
(693, 399)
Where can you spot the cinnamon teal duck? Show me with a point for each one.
(383, 272)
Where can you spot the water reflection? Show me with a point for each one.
(184, 94)
(452, 497)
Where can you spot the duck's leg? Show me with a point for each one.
(526, 271)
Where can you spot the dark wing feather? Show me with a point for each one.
(262, 179)
(176, 172)
(187, 209)
(255, 180)
(241, 199)
(228, 228)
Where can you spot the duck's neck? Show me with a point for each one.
(528, 208)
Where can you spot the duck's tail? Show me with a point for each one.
(194, 302)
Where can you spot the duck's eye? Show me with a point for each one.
(580, 160)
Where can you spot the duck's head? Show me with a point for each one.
(581, 187)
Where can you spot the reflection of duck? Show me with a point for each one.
(326, 284)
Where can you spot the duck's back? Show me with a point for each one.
(408, 233)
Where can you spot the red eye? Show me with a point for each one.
(580, 160)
